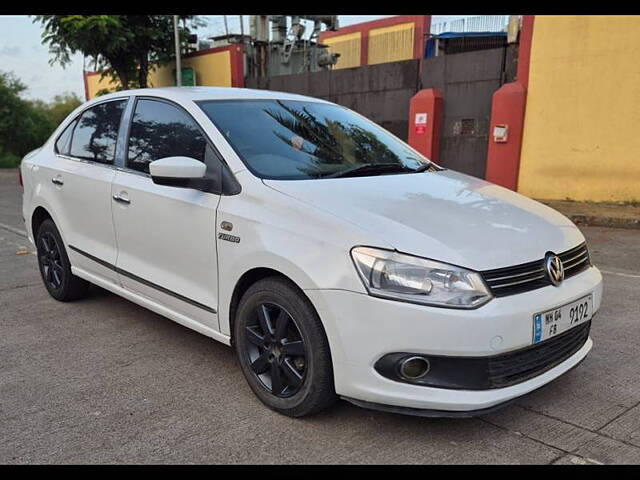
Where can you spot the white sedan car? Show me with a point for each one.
(334, 258)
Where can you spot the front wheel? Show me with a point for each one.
(283, 350)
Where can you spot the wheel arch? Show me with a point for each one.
(39, 215)
(249, 278)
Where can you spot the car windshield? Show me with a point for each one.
(291, 140)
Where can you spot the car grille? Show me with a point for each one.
(529, 276)
(521, 365)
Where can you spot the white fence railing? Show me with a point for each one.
(481, 23)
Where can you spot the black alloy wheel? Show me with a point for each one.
(50, 261)
(283, 348)
(55, 267)
(276, 350)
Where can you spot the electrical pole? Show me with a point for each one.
(226, 27)
(176, 35)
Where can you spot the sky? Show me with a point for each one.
(22, 52)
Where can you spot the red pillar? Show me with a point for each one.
(503, 156)
(237, 65)
(425, 122)
(507, 110)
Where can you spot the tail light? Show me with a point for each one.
(20, 178)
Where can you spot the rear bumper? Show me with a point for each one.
(362, 329)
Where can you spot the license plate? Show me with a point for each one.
(553, 322)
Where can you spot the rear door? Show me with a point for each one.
(166, 235)
(81, 187)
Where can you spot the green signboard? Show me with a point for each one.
(188, 77)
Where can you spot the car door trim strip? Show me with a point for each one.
(143, 281)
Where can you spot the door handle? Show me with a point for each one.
(57, 181)
(120, 199)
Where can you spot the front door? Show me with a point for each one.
(166, 235)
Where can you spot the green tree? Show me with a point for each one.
(24, 125)
(58, 109)
(123, 46)
(11, 108)
(27, 124)
(61, 106)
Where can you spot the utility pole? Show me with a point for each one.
(226, 27)
(176, 35)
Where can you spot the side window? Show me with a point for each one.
(64, 140)
(96, 133)
(160, 130)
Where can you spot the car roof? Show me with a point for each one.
(185, 94)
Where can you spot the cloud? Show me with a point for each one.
(22, 53)
(11, 50)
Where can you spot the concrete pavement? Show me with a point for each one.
(618, 215)
(103, 380)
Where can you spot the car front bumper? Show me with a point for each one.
(361, 329)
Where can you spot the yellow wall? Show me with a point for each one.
(212, 69)
(581, 132)
(391, 44)
(94, 84)
(348, 46)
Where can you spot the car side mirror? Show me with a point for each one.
(183, 172)
(177, 167)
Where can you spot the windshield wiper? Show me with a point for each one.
(421, 168)
(374, 168)
(425, 166)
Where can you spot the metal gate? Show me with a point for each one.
(467, 81)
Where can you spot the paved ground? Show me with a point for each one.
(623, 215)
(105, 381)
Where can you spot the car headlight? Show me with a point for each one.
(403, 277)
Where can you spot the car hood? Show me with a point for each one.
(445, 215)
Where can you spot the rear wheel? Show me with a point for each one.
(283, 350)
(55, 267)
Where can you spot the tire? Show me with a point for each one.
(55, 268)
(305, 369)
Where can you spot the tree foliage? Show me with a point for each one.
(123, 46)
(26, 124)
(61, 106)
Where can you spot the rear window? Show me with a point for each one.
(96, 133)
(64, 140)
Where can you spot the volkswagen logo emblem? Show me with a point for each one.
(554, 268)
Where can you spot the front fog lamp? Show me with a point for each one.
(398, 276)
